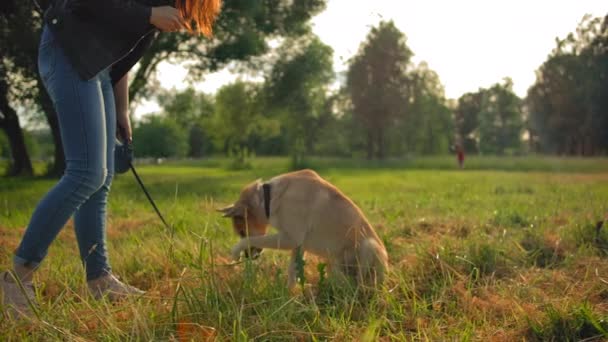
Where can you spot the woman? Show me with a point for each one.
(86, 50)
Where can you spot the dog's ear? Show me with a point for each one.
(230, 211)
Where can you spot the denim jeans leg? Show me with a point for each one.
(90, 219)
(80, 110)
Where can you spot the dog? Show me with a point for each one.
(311, 214)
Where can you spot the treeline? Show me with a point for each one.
(568, 104)
(383, 106)
(388, 107)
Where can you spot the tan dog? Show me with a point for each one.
(311, 213)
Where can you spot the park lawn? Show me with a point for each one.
(489, 252)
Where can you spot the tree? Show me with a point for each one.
(159, 137)
(20, 27)
(568, 107)
(427, 126)
(555, 103)
(490, 120)
(192, 112)
(297, 88)
(377, 83)
(466, 120)
(238, 120)
(337, 132)
(13, 67)
(242, 32)
(199, 143)
(9, 123)
(500, 120)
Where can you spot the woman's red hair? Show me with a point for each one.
(202, 12)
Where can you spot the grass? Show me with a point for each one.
(507, 249)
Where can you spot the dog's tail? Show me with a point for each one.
(373, 262)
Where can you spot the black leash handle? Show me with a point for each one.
(123, 134)
(141, 184)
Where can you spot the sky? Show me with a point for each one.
(469, 43)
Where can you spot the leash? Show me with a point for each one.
(162, 218)
(143, 187)
(123, 134)
(168, 226)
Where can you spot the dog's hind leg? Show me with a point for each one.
(292, 269)
(342, 267)
(371, 263)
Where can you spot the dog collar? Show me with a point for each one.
(266, 188)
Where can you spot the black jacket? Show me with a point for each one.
(98, 34)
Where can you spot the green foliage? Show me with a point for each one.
(297, 159)
(238, 121)
(33, 147)
(242, 32)
(20, 27)
(44, 144)
(500, 120)
(567, 104)
(199, 144)
(20, 84)
(377, 84)
(466, 120)
(159, 137)
(240, 158)
(192, 112)
(427, 128)
(333, 138)
(186, 107)
(400, 109)
(296, 92)
(490, 121)
(241, 35)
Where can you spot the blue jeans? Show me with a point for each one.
(87, 122)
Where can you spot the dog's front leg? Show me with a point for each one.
(276, 241)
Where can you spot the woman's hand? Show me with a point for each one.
(167, 19)
(121, 98)
(123, 128)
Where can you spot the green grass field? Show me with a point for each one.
(507, 249)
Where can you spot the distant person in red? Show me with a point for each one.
(460, 155)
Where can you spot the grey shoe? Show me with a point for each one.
(18, 297)
(109, 285)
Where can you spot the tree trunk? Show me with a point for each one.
(58, 165)
(9, 122)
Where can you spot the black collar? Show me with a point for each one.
(266, 188)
